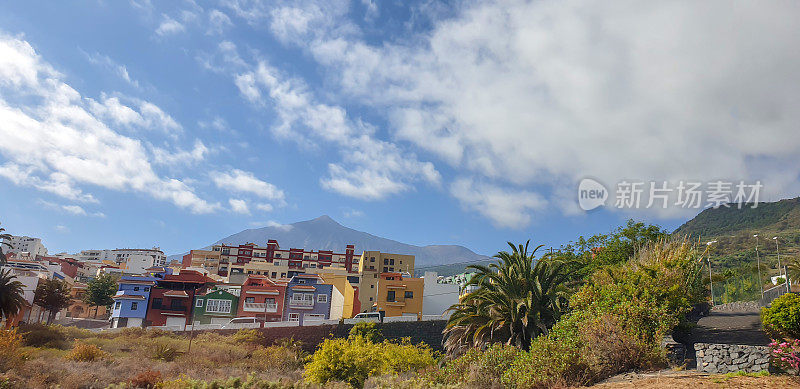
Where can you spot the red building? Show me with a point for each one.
(171, 299)
(263, 298)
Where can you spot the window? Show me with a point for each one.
(301, 281)
(218, 306)
(136, 288)
(391, 269)
(370, 299)
(385, 269)
(134, 305)
(391, 262)
(146, 288)
(274, 274)
(249, 299)
(117, 305)
(313, 265)
(385, 261)
(390, 296)
(277, 255)
(283, 275)
(372, 259)
(198, 303)
(304, 299)
(409, 294)
(372, 286)
(176, 304)
(322, 298)
(294, 317)
(157, 303)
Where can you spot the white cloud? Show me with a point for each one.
(245, 182)
(351, 213)
(540, 94)
(180, 157)
(504, 207)
(108, 63)
(75, 210)
(218, 21)
(371, 168)
(149, 116)
(271, 223)
(239, 206)
(169, 26)
(52, 141)
(266, 207)
(62, 228)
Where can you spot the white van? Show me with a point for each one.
(242, 322)
(367, 316)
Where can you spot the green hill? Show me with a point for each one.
(775, 217)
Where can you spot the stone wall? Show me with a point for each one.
(738, 306)
(731, 358)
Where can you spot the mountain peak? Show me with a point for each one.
(324, 219)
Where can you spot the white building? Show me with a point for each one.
(25, 244)
(137, 260)
(438, 296)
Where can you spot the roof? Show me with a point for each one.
(303, 287)
(122, 296)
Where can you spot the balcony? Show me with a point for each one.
(181, 308)
(260, 307)
(301, 303)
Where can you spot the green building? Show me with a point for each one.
(215, 307)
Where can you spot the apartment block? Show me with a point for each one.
(25, 244)
(399, 294)
(371, 265)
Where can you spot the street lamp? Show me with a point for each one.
(710, 281)
(758, 260)
(778, 252)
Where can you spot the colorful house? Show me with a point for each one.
(262, 298)
(307, 298)
(351, 306)
(215, 307)
(130, 302)
(171, 300)
(399, 294)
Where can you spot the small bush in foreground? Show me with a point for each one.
(368, 330)
(250, 382)
(355, 359)
(786, 355)
(163, 351)
(147, 379)
(782, 318)
(83, 352)
(249, 335)
(475, 367)
(11, 354)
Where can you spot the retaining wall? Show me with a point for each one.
(730, 358)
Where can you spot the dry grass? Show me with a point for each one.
(694, 380)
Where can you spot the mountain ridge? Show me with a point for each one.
(325, 233)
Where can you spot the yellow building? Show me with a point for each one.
(342, 284)
(400, 295)
(371, 265)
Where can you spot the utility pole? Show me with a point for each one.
(778, 252)
(758, 261)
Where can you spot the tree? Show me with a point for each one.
(52, 295)
(5, 240)
(793, 271)
(100, 290)
(11, 295)
(518, 298)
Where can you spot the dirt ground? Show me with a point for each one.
(694, 380)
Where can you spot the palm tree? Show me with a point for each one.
(518, 298)
(793, 270)
(11, 291)
(5, 240)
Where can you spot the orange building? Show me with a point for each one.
(399, 294)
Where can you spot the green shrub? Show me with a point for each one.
(11, 354)
(83, 352)
(250, 382)
(249, 335)
(40, 335)
(368, 330)
(782, 318)
(355, 359)
(551, 362)
(162, 350)
(479, 368)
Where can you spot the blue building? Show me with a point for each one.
(130, 302)
(307, 298)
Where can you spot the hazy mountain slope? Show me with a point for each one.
(776, 217)
(324, 233)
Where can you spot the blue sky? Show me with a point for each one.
(173, 124)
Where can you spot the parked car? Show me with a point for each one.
(368, 316)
